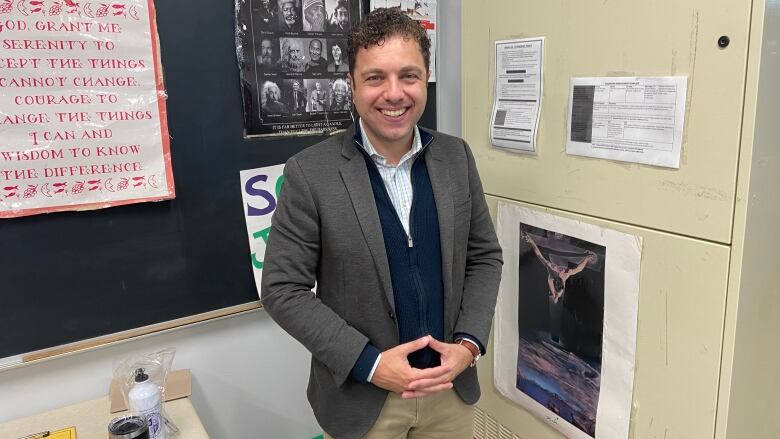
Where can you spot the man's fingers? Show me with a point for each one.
(414, 345)
(426, 391)
(428, 382)
(437, 346)
(428, 374)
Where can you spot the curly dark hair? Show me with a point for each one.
(382, 24)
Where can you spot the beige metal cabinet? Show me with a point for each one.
(707, 362)
(618, 38)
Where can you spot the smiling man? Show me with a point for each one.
(289, 19)
(316, 63)
(390, 221)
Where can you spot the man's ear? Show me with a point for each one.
(351, 82)
(428, 76)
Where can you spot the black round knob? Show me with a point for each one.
(724, 41)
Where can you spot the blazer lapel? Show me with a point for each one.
(442, 192)
(355, 177)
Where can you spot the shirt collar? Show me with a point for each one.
(369, 147)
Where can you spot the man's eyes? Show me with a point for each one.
(406, 76)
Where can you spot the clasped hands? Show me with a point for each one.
(396, 375)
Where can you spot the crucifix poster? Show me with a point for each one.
(566, 321)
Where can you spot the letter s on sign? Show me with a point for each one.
(251, 190)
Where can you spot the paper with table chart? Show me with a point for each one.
(636, 119)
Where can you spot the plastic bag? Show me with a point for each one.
(151, 368)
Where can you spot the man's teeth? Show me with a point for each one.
(394, 113)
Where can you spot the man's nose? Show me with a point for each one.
(394, 90)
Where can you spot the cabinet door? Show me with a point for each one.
(617, 38)
(682, 299)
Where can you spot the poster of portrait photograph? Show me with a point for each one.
(82, 107)
(292, 56)
(565, 335)
(425, 14)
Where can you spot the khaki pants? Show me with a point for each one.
(440, 416)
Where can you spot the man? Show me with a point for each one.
(391, 223)
(270, 99)
(339, 19)
(316, 63)
(557, 277)
(339, 100)
(266, 58)
(297, 98)
(267, 15)
(317, 98)
(289, 18)
(292, 55)
(338, 64)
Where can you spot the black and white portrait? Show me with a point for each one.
(318, 94)
(314, 16)
(289, 16)
(292, 56)
(338, 15)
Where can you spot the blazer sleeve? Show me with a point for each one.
(289, 273)
(483, 264)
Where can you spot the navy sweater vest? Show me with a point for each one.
(415, 261)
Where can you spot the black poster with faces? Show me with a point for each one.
(293, 61)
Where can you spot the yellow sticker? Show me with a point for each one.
(65, 433)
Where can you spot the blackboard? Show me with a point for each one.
(75, 276)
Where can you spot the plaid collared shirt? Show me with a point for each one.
(397, 178)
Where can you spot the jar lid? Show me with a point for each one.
(128, 427)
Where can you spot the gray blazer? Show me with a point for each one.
(326, 229)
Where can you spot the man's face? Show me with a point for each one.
(315, 15)
(336, 53)
(296, 86)
(289, 13)
(266, 52)
(315, 49)
(342, 17)
(389, 89)
(339, 93)
(296, 53)
(273, 94)
(266, 4)
(317, 86)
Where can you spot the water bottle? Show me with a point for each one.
(146, 400)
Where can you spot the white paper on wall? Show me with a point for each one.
(566, 318)
(517, 100)
(260, 191)
(82, 107)
(637, 120)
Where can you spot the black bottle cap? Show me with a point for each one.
(140, 375)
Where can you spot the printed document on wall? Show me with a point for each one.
(518, 94)
(637, 120)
